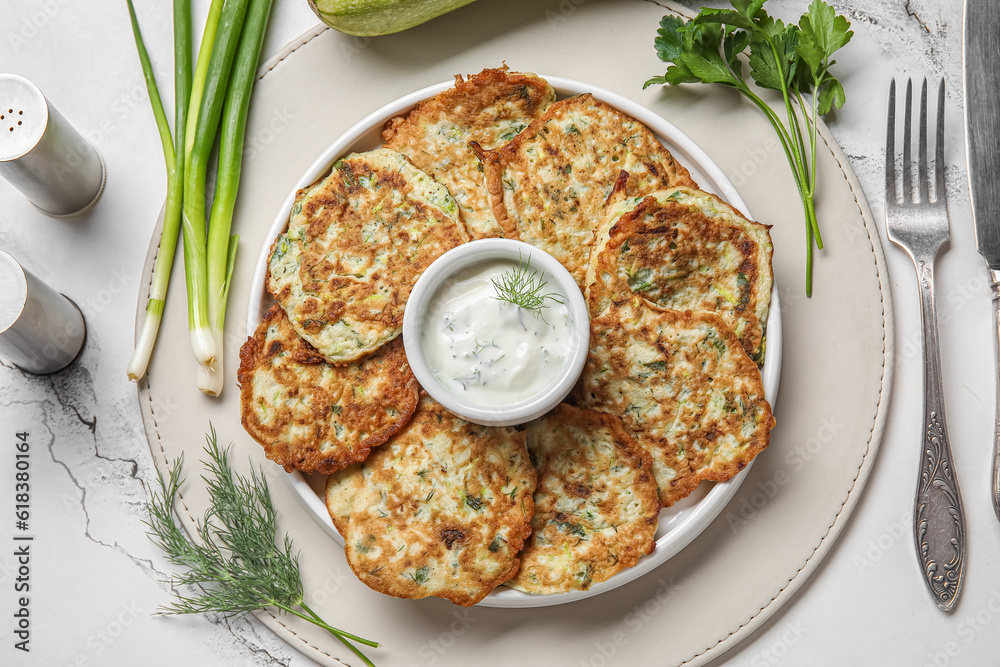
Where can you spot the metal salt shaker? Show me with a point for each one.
(41, 331)
(42, 155)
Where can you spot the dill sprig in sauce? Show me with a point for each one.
(523, 287)
(481, 342)
(237, 562)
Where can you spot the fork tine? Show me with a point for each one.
(923, 173)
(907, 167)
(890, 148)
(939, 193)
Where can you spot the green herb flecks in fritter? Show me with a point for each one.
(490, 108)
(441, 509)
(686, 250)
(315, 417)
(549, 185)
(355, 244)
(596, 503)
(685, 390)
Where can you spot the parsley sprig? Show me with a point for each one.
(523, 287)
(236, 561)
(792, 59)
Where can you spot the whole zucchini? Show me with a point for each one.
(379, 17)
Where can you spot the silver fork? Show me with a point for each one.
(918, 223)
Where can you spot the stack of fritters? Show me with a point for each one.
(549, 185)
(678, 286)
(685, 389)
(490, 108)
(685, 249)
(341, 273)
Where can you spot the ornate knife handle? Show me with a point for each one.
(995, 486)
(938, 516)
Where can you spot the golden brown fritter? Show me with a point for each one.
(355, 244)
(549, 185)
(312, 416)
(684, 388)
(441, 509)
(490, 108)
(685, 249)
(596, 504)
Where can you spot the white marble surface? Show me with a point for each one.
(95, 576)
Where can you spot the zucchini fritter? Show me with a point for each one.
(596, 504)
(312, 416)
(490, 108)
(442, 509)
(686, 250)
(684, 388)
(549, 185)
(355, 244)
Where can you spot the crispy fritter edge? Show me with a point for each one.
(254, 354)
(464, 86)
(495, 160)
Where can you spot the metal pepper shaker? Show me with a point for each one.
(42, 154)
(41, 331)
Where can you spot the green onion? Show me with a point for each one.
(175, 174)
(201, 71)
(221, 246)
(219, 91)
(196, 174)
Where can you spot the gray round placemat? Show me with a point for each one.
(836, 365)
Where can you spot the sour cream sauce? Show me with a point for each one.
(487, 351)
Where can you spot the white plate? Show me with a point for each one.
(680, 523)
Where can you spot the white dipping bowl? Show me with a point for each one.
(468, 255)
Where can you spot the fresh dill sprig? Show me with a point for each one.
(523, 287)
(236, 560)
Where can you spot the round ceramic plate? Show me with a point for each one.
(678, 524)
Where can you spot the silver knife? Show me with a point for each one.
(980, 48)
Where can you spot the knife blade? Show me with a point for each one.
(981, 78)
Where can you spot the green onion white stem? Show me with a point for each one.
(175, 175)
(221, 255)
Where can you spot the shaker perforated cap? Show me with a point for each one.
(24, 116)
(42, 154)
